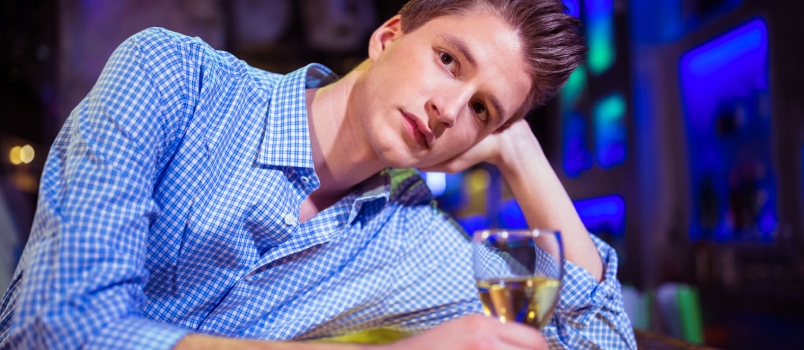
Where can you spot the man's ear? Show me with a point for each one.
(384, 35)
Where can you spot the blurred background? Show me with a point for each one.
(680, 138)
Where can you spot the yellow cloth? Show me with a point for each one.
(371, 336)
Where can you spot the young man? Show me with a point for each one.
(191, 200)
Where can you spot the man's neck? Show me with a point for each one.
(342, 155)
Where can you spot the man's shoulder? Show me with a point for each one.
(161, 37)
(163, 46)
(408, 187)
(160, 43)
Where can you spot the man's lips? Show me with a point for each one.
(417, 130)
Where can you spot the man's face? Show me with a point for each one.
(435, 92)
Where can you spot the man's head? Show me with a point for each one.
(550, 41)
(444, 74)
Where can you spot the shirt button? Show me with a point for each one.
(305, 179)
(290, 220)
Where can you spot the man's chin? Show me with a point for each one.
(407, 162)
(394, 156)
(402, 157)
(396, 161)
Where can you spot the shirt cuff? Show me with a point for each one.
(582, 296)
(137, 333)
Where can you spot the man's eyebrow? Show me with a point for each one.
(498, 107)
(460, 45)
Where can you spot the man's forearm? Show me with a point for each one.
(203, 342)
(544, 201)
(468, 332)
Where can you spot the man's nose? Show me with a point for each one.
(443, 110)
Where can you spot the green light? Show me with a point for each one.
(572, 90)
(610, 109)
(601, 52)
(600, 35)
(610, 131)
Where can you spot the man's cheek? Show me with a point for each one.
(456, 150)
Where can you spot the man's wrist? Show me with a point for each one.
(519, 152)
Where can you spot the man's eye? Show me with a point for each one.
(480, 110)
(449, 62)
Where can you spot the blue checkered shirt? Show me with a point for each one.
(169, 204)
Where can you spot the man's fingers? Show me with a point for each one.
(475, 332)
(461, 162)
(521, 336)
(483, 151)
(451, 166)
(514, 335)
(506, 346)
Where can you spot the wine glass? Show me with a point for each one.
(518, 274)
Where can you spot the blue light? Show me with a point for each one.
(600, 34)
(576, 156)
(573, 8)
(722, 234)
(473, 223)
(511, 216)
(610, 131)
(656, 21)
(717, 54)
(603, 214)
(732, 64)
(453, 199)
(575, 153)
(437, 182)
(767, 223)
(724, 86)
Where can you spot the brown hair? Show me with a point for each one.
(553, 47)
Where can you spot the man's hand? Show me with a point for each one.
(475, 332)
(491, 149)
(536, 187)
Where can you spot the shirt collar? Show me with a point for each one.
(376, 186)
(286, 141)
(376, 189)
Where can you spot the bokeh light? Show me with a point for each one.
(27, 154)
(21, 154)
(14, 155)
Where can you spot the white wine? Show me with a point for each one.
(529, 300)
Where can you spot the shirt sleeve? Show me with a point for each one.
(590, 314)
(83, 269)
(436, 284)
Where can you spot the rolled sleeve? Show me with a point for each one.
(590, 314)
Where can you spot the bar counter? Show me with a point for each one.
(654, 341)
